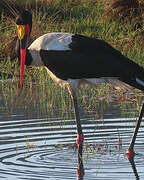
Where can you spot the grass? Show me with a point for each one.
(76, 16)
(81, 17)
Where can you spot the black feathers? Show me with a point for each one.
(92, 58)
(24, 18)
(91, 46)
(28, 59)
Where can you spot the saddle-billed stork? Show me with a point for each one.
(72, 60)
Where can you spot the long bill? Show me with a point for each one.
(23, 55)
(22, 35)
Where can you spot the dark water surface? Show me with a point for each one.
(36, 144)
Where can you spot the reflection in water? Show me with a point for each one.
(131, 160)
(80, 168)
(37, 129)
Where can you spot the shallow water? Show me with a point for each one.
(38, 145)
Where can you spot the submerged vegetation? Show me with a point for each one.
(123, 29)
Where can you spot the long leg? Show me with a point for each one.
(80, 136)
(80, 168)
(130, 150)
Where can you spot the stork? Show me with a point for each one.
(72, 60)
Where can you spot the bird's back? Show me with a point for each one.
(52, 41)
(71, 56)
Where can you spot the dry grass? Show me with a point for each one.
(125, 8)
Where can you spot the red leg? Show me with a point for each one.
(130, 152)
(80, 139)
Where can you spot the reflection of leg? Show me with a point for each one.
(131, 160)
(80, 169)
(130, 150)
(80, 136)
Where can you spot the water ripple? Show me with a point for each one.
(38, 147)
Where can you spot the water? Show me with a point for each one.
(37, 143)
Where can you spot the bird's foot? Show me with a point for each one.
(130, 153)
(80, 139)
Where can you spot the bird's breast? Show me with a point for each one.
(36, 59)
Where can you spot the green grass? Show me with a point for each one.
(81, 17)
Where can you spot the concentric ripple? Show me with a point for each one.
(39, 147)
(44, 148)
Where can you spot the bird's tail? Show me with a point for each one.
(133, 75)
(136, 82)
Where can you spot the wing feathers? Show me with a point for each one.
(91, 58)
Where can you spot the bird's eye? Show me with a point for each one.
(19, 20)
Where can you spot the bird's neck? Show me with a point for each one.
(29, 59)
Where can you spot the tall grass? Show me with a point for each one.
(75, 16)
(81, 17)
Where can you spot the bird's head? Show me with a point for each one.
(24, 26)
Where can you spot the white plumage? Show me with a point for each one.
(52, 41)
(60, 42)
